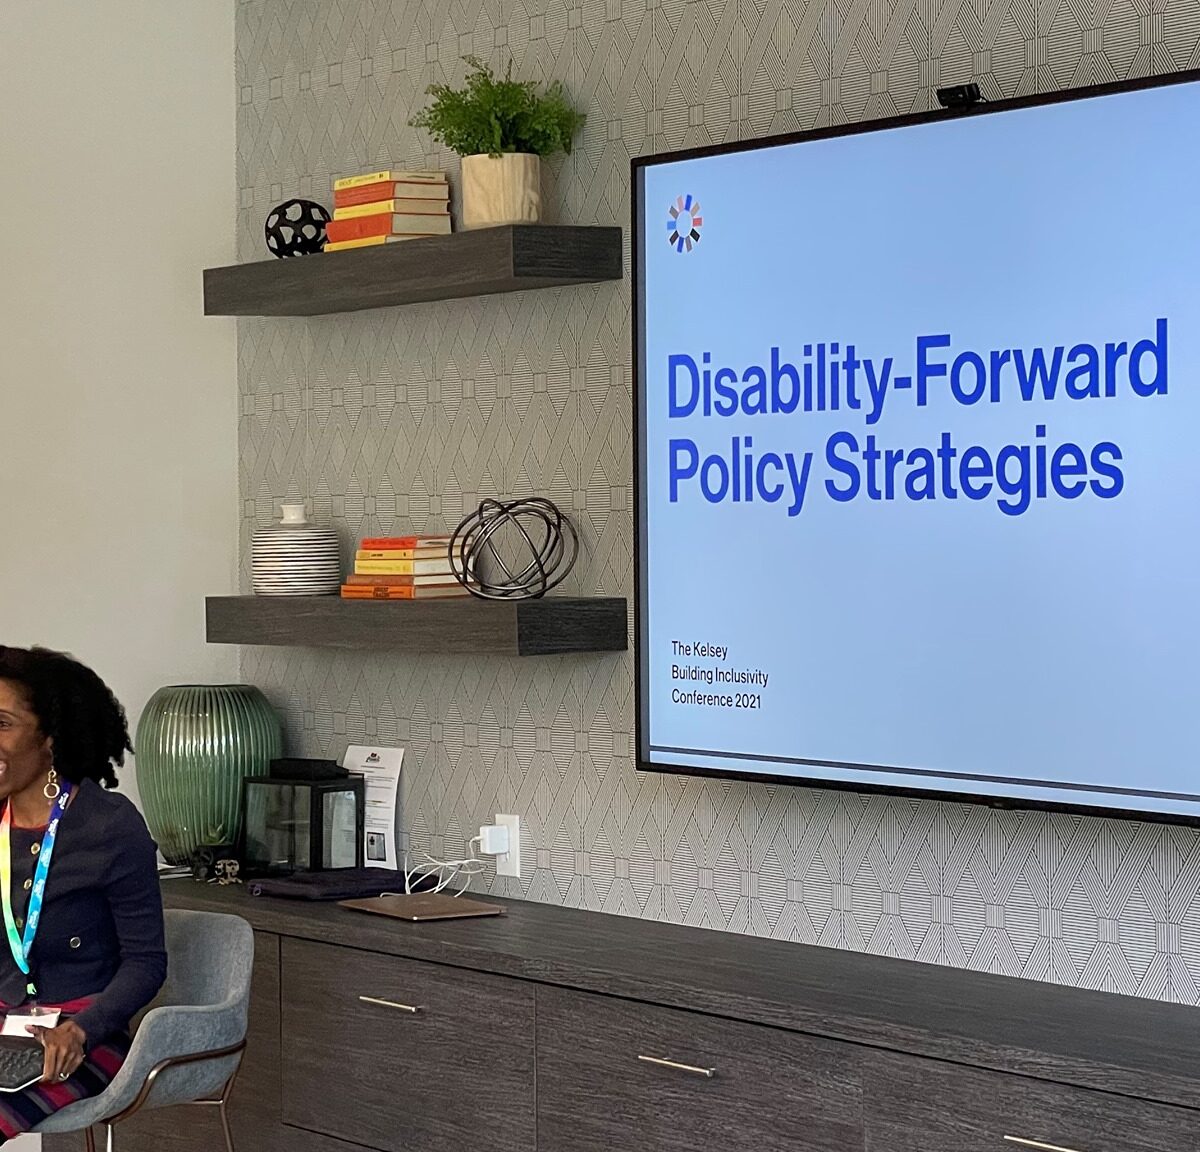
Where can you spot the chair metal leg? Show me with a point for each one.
(222, 1101)
(225, 1125)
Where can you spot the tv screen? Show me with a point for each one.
(918, 454)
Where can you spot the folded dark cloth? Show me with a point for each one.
(336, 884)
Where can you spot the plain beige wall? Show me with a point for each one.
(118, 398)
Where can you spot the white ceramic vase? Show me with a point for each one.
(295, 558)
(504, 189)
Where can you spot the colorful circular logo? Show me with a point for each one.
(683, 223)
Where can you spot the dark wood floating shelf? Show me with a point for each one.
(508, 259)
(554, 625)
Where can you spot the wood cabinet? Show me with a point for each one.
(928, 1106)
(616, 1074)
(389, 1053)
(553, 1030)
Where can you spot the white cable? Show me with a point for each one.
(446, 871)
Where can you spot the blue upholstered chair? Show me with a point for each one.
(188, 1047)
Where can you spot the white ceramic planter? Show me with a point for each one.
(505, 189)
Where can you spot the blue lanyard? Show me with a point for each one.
(20, 946)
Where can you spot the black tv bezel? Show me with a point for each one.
(637, 165)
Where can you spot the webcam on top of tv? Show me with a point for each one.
(959, 97)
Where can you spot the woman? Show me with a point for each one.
(93, 944)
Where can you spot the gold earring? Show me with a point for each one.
(51, 790)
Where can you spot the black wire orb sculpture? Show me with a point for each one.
(514, 550)
(296, 228)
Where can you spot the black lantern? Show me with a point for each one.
(301, 825)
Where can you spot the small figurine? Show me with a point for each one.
(227, 873)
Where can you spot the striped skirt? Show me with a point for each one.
(21, 1111)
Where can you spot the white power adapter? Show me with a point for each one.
(493, 840)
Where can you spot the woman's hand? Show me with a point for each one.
(64, 1047)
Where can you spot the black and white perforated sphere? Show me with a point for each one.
(296, 228)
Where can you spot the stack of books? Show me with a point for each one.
(402, 568)
(379, 207)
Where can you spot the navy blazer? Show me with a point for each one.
(101, 931)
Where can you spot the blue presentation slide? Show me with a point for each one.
(919, 456)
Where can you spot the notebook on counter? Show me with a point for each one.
(424, 906)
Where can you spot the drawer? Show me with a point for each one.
(386, 1052)
(613, 1074)
(917, 1105)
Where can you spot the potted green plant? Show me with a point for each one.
(501, 128)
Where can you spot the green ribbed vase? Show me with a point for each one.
(195, 743)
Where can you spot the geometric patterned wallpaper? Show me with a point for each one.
(400, 419)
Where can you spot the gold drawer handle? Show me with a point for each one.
(708, 1073)
(390, 1004)
(1038, 1145)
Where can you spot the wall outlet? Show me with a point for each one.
(510, 863)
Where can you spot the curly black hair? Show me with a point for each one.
(75, 708)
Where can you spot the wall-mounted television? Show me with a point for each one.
(917, 412)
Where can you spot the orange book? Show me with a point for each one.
(385, 542)
(387, 224)
(400, 592)
(429, 191)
